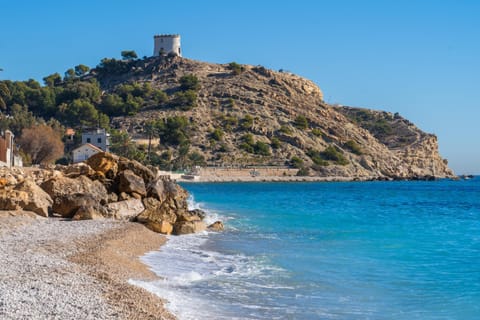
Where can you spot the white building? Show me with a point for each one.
(167, 43)
(84, 152)
(97, 137)
(7, 156)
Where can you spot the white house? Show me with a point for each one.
(84, 152)
(97, 137)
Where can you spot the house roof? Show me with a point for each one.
(89, 145)
(69, 132)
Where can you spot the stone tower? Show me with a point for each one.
(167, 43)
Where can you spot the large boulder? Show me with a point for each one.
(156, 189)
(191, 215)
(126, 209)
(104, 163)
(88, 213)
(129, 182)
(137, 168)
(38, 200)
(186, 227)
(68, 204)
(78, 169)
(61, 186)
(157, 216)
(27, 196)
(216, 226)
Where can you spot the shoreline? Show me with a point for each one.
(57, 269)
(222, 179)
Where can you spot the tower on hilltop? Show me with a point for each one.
(167, 43)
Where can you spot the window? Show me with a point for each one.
(89, 140)
(99, 140)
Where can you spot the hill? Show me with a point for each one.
(183, 113)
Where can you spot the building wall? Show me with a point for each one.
(6, 149)
(83, 153)
(98, 138)
(169, 44)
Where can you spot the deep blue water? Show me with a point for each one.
(369, 250)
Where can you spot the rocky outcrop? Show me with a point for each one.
(106, 186)
(266, 104)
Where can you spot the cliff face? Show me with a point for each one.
(269, 109)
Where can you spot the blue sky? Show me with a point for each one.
(418, 58)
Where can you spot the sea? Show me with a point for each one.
(336, 250)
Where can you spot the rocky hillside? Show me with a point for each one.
(249, 115)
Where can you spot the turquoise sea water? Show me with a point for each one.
(369, 250)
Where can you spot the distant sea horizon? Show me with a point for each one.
(327, 250)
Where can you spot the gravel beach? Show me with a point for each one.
(55, 269)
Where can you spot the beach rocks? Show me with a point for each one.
(27, 196)
(216, 226)
(186, 227)
(104, 163)
(37, 200)
(126, 209)
(129, 182)
(106, 186)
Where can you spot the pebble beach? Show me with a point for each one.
(59, 269)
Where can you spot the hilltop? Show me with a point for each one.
(245, 115)
(182, 113)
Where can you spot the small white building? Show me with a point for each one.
(97, 137)
(167, 43)
(8, 158)
(84, 152)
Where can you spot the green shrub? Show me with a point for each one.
(247, 147)
(247, 122)
(261, 148)
(236, 68)
(217, 134)
(248, 138)
(285, 129)
(317, 132)
(353, 147)
(301, 122)
(275, 143)
(296, 162)
(303, 172)
(189, 82)
(185, 101)
(333, 154)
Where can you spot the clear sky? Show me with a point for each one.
(418, 58)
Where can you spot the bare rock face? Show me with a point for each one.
(129, 182)
(126, 209)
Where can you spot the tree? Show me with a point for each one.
(81, 69)
(129, 55)
(41, 143)
(52, 80)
